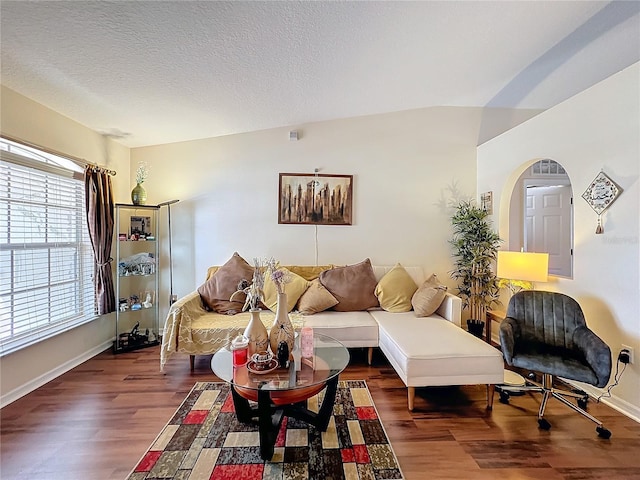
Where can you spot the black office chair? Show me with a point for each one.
(546, 332)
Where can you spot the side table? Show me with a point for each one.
(514, 383)
(494, 316)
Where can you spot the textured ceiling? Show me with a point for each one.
(164, 72)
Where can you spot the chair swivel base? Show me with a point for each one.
(547, 390)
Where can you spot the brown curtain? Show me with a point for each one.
(99, 202)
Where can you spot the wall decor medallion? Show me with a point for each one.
(313, 199)
(600, 194)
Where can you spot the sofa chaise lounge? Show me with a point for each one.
(424, 351)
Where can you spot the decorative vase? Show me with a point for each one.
(257, 334)
(138, 195)
(282, 329)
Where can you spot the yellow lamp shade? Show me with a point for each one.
(532, 267)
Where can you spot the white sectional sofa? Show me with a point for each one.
(432, 351)
(424, 351)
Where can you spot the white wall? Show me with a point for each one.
(597, 129)
(22, 371)
(404, 166)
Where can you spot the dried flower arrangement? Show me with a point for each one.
(278, 276)
(142, 172)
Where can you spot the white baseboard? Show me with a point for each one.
(614, 402)
(37, 382)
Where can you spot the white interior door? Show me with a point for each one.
(548, 217)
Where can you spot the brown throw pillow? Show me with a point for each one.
(428, 297)
(216, 291)
(353, 286)
(316, 299)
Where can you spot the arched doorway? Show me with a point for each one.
(541, 215)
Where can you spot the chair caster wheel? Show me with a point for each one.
(603, 433)
(543, 424)
(504, 398)
(582, 402)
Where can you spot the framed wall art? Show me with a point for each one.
(314, 199)
(486, 202)
(140, 226)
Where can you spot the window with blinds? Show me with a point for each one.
(46, 261)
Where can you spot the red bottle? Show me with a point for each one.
(240, 350)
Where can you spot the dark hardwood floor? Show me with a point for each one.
(96, 421)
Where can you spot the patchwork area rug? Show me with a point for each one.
(205, 441)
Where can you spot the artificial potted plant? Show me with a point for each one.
(475, 247)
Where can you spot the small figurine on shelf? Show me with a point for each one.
(147, 301)
(283, 354)
(135, 338)
(123, 340)
(123, 304)
(135, 302)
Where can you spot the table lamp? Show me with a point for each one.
(520, 269)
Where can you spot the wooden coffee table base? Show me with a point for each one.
(269, 414)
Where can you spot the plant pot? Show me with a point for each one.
(475, 327)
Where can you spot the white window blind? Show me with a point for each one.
(46, 261)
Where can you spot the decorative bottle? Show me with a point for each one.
(282, 327)
(257, 334)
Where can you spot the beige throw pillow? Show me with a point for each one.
(395, 289)
(316, 299)
(353, 286)
(217, 290)
(294, 288)
(428, 297)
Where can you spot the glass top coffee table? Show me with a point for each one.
(283, 391)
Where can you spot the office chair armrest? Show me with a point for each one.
(596, 353)
(508, 329)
